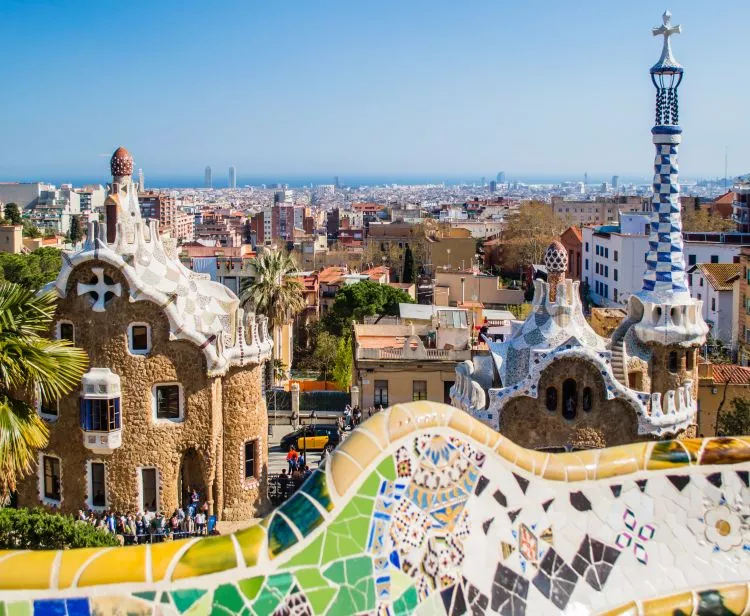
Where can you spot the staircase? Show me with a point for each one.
(618, 352)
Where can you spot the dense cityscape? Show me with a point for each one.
(382, 396)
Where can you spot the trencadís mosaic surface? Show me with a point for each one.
(425, 510)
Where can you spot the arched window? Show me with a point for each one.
(551, 399)
(673, 361)
(587, 399)
(570, 399)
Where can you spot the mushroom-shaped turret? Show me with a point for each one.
(121, 163)
(556, 261)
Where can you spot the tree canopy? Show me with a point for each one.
(36, 529)
(12, 214)
(364, 299)
(32, 270)
(735, 422)
(701, 220)
(527, 233)
(324, 355)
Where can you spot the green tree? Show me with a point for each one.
(76, 232)
(408, 266)
(735, 422)
(29, 230)
(342, 368)
(701, 220)
(36, 529)
(31, 367)
(32, 270)
(527, 234)
(366, 298)
(324, 356)
(12, 214)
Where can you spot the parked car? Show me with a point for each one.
(313, 438)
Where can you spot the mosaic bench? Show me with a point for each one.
(425, 510)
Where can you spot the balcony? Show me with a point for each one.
(414, 354)
(100, 415)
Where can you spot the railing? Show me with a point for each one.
(281, 487)
(428, 354)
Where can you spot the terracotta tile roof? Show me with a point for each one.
(720, 275)
(726, 198)
(376, 272)
(731, 373)
(331, 274)
(575, 231)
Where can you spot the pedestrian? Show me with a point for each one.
(194, 499)
(291, 458)
(301, 461)
(307, 472)
(200, 522)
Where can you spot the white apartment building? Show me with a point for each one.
(23, 194)
(614, 257)
(54, 209)
(717, 285)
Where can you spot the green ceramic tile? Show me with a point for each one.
(18, 608)
(320, 599)
(202, 607)
(280, 536)
(358, 569)
(387, 469)
(335, 572)
(317, 487)
(347, 535)
(228, 597)
(371, 485)
(267, 602)
(406, 602)
(165, 598)
(310, 578)
(148, 596)
(310, 555)
(280, 583)
(184, 599)
(303, 514)
(344, 602)
(251, 586)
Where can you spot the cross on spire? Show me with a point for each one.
(666, 30)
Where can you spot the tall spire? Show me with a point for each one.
(665, 278)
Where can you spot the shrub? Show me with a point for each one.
(36, 529)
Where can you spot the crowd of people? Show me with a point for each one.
(154, 526)
(352, 417)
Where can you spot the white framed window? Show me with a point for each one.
(148, 488)
(250, 460)
(96, 481)
(48, 410)
(50, 479)
(66, 331)
(139, 338)
(168, 402)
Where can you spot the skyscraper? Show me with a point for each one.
(207, 182)
(232, 177)
(336, 181)
(615, 181)
(501, 177)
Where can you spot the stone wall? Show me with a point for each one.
(245, 418)
(663, 379)
(528, 422)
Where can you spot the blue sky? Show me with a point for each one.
(355, 87)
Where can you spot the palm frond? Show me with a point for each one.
(22, 312)
(22, 432)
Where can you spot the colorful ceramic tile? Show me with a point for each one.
(211, 555)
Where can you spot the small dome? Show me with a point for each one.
(556, 258)
(121, 162)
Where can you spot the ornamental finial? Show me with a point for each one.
(666, 63)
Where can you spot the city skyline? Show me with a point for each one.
(358, 91)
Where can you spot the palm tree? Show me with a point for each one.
(32, 367)
(275, 292)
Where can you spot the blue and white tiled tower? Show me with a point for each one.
(665, 312)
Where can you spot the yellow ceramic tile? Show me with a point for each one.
(208, 555)
(117, 566)
(481, 432)
(507, 449)
(461, 422)
(27, 570)
(251, 540)
(725, 450)
(530, 460)
(400, 422)
(629, 609)
(575, 466)
(162, 555)
(377, 425)
(361, 447)
(669, 605)
(554, 470)
(617, 461)
(430, 414)
(71, 563)
(343, 471)
(667, 455)
(693, 447)
(735, 598)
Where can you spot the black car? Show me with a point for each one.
(313, 438)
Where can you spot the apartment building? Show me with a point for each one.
(713, 283)
(598, 212)
(614, 256)
(743, 325)
(54, 209)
